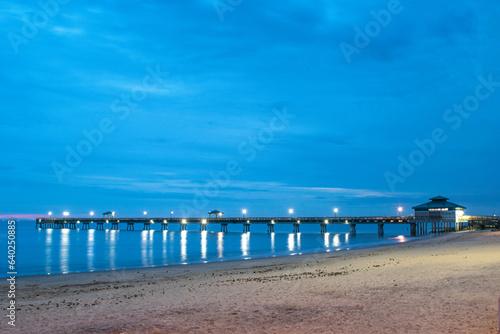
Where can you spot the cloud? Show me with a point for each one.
(352, 120)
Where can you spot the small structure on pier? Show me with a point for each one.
(216, 213)
(108, 214)
(439, 209)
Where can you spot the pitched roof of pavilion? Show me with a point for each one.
(438, 202)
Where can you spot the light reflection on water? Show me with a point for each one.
(291, 243)
(146, 248)
(48, 251)
(184, 246)
(90, 249)
(64, 250)
(220, 245)
(164, 247)
(327, 240)
(336, 241)
(245, 241)
(112, 249)
(203, 244)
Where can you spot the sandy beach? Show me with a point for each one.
(446, 284)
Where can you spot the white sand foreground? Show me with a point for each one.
(447, 284)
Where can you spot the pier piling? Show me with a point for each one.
(270, 228)
(296, 227)
(380, 229)
(323, 228)
(352, 230)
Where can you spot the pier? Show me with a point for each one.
(417, 226)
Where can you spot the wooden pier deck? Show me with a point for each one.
(417, 227)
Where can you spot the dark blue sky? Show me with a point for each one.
(310, 105)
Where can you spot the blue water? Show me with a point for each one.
(50, 251)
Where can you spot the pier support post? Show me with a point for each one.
(296, 228)
(183, 227)
(352, 230)
(223, 227)
(246, 227)
(164, 226)
(380, 230)
(203, 227)
(147, 226)
(114, 225)
(130, 226)
(323, 228)
(413, 229)
(85, 225)
(270, 228)
(100, 226)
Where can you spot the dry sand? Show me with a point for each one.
(448, 284)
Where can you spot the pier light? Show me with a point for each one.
(272, 221)
(335, 211)
(145, 213)
(171, 214)
(400, 209)
(113, 214)
(298, 221)
(204, 221)
(50, 213)
(290, 211)
(248, 222)
(78, 222)
(326, 221)
(151, 221)
(107, 221)
(164, 221)
(244, 212)
(66, 213)
(220, 214)
(184, 221)
(91, 213)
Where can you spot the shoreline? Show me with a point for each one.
(250, 258)
(346, 290)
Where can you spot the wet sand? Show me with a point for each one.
(446, 284)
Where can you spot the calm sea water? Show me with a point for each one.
(51, 251)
